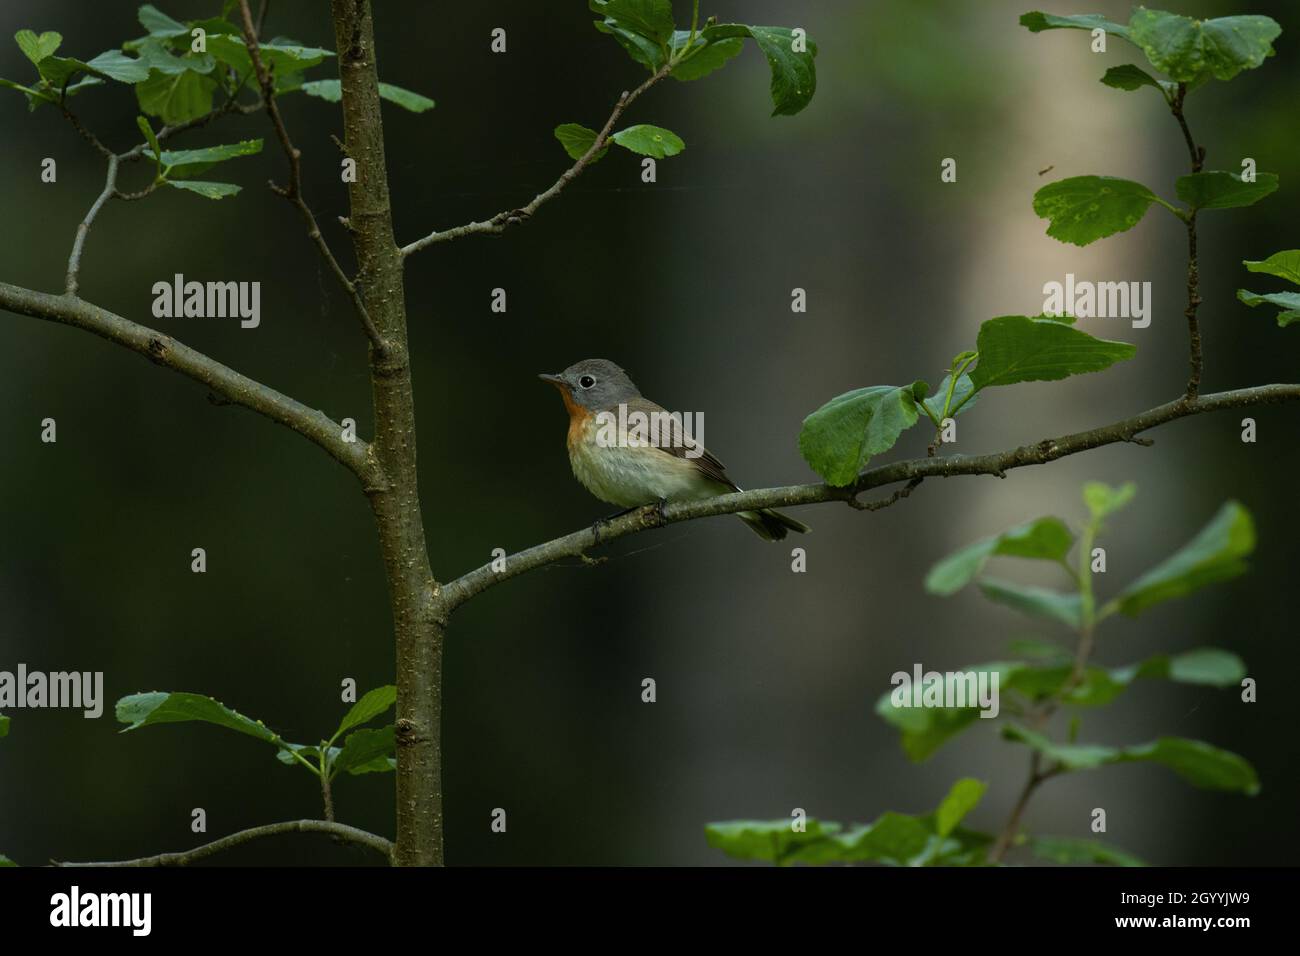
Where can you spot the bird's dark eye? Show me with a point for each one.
(586, 381)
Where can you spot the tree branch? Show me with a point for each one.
(498, 223)
(293, 192)
(455, 593)
(226, 383)
(339, 831)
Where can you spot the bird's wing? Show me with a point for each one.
(679, 444)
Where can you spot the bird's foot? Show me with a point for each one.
(657, 511)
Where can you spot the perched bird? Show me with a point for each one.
(616, 465)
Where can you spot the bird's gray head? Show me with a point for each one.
(594, 384)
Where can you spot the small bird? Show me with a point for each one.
(631, 472)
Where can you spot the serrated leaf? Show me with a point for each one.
(773, 841)
(371, 705)
(1284, 265)
(794, 75)
(160, 24)
(1130, 77)
(176, 98)
(1037, 22)
(1289, 302)
(1073, 851)
(367, 751)
(652, 19)
(964, 796)
(840, 438)
(1220, 190)
(158, 707)
(964, 396)
(1083, 209)
(37, 48)
(1186, 49)
(1102, 500)
(649, 141)
(705, 56)
(1197, 762)
(332, 91)
(1215, 554)
(1045, 539)
(185, 163)
(1016, 348)
(1065, 608)
(208, 190)
(282, 57)
(577, 139)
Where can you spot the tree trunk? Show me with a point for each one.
(418, 619)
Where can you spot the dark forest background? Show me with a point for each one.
(766, 679)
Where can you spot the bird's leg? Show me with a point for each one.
(658, 509)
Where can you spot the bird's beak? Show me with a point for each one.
(554, 380)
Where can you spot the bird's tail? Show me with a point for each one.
(771, 525)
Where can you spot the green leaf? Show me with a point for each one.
(1102, 500)
(923, 730)
(371, 705)
(1284, 265)
(1204, 666)
(282, 57)
(152, 140)
(4, 726)
(157, 57)
(185, 163)
(1036, 22)
(37, 48)
(1046, 539)
(205, 189)
(332, 91)
(705, 57)
(407, 100)
(840, 438)
(894, 838)
(5, 861)
(1197, 762)
(1185, 49)
(646, 52)
(773, 841)
(142, 710)
(652, 19)
(367, 751)
(963, 396)
(310, 754)
(649, 141)
(159, 24)
(1130, 77)
(118, 66)
(964, 796)
(176, 98)
(794, 75)
(1035, 601)
(1015, 348)
(577, 139)
(1220, 190)
(1073, 851)
(1215, 554)
(1083, 209)
(1289, 302)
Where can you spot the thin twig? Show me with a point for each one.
(293, 192)
(339, 831)
(502, 220)
(79, 242)
(1197, 155)
(456, 592)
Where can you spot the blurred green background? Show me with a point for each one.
(766, 678)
